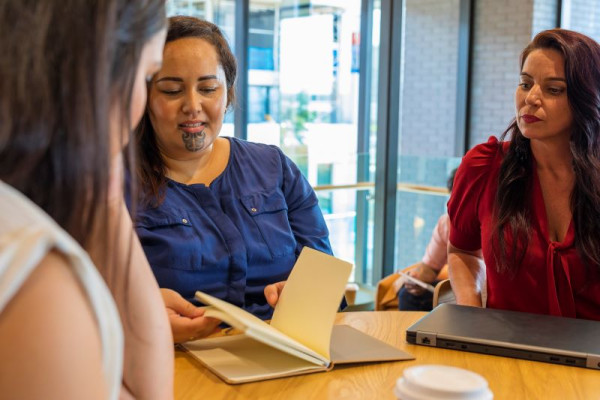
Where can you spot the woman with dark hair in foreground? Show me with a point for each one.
(73, 85)
(532, 203)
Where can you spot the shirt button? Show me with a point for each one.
(253, 210)
(185, 221)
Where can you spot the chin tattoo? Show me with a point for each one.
(193, 141)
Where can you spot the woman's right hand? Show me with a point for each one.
(187, 321)
(422, 272)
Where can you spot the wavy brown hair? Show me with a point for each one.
(582, 73)
(64, 66)
(151, 168)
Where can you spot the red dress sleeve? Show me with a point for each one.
(470, 180)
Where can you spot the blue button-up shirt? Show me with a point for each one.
(239, 234)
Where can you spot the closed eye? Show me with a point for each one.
(207, 90)
(170, 92)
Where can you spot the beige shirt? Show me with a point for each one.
(27, 234)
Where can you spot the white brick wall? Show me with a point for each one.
(544, 15)
(430, 71)
(502, 29)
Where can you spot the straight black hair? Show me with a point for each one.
(64, 67)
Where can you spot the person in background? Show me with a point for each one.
(532, 202)
(413, 297)
(73, 78)
(217, 214)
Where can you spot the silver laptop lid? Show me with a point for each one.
(509, 329)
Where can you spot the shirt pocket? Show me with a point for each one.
(269, 210)
(169, 240)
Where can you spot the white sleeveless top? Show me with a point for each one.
(27, 234)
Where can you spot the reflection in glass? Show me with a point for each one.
(419, 212)
(303, 74)
(303, 97)
(582, 16)
(428, 120)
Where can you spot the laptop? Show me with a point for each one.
(556, 340)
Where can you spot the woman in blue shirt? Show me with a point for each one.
(220, 215)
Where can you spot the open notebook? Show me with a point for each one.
(301, 338)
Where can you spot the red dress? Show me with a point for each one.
(552, 278)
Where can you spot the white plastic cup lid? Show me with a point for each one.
(441, 382)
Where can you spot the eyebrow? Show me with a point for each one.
(175, 79)
(552, 78)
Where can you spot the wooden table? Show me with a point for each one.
(508, 378)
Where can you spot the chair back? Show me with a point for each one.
(443, 293)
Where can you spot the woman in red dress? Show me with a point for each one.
(532, 202)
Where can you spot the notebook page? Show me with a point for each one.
(310, 299)
(257, 328)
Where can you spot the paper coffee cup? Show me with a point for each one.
(351, 290)
(441, 382)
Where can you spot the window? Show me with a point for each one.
(428, 126)
(582, 16)
(303, 97)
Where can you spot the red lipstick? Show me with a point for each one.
(530, 119)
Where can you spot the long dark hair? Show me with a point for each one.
(582, 73)
(151, 168)
(64, 67)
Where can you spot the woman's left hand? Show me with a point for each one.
(187, 321)
(273, 291)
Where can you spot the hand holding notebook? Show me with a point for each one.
(301, 337)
